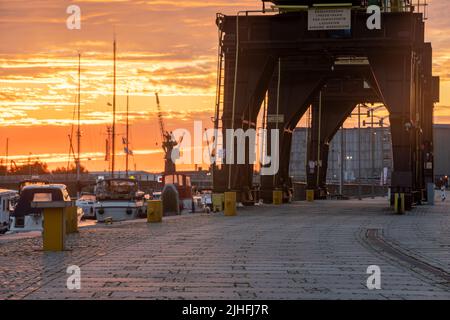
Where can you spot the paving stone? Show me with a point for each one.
(295, 251)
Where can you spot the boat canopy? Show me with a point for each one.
(118, 188)
(32, 182)
(31, 194)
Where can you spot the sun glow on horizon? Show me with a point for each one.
(169, 47)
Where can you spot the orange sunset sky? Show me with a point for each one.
(165, 46)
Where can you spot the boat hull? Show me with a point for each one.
(88, 210)
(119, 210)
(30, 223)
(34, 222)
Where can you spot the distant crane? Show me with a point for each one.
(160, 117)
(176, 192)
(13, 166)
(211, 150)
(168, 142)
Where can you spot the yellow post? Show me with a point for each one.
(230, 204)
(396, 202)
(154, 211)
(54, 233)
(217, 201)
(399, 203)
(402, 198)
(71, 219)
(310, 195)
(277, 197)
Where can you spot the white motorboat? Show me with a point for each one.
(24, 217)
(119, 199)
(7, 201)
(87, 202)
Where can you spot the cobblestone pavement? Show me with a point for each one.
(302, 250)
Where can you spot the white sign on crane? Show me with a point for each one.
(329, 19)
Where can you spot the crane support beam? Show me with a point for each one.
(332, 70)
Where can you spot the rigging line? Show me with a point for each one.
(236, 64)
(71, 131)
(71, 150)
(278, 110)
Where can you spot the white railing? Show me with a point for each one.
(418, 6)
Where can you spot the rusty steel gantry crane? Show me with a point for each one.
(277, 53)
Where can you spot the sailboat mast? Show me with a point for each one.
(127, 150)
(113, 147)
(79, 123)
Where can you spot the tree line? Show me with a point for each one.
(38, 167)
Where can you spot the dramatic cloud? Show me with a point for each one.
(164, 46)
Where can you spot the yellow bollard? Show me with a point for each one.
(230, 204)
(54, 233)
(399, 203)
(310, 195)
(154, 211)
(71, 219)
(217, 201)
(396, 202)
(277, 197)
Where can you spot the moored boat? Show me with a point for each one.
(87, 202)
(34, 181)
(7, 200)
(118, 199)
(25, 217)
(177, 195)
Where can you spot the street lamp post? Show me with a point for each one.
(359, 149)
(372, 157)
(372, 153)
(370, 113)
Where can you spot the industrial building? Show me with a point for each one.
(375, 155)
(441, 150)
(344, 149)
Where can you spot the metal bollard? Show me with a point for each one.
(154, 211)
(399, 203)
(230, 204)
(217, 200)
(277, 197)
(54, 233)
(430, 193)
(310, 195)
